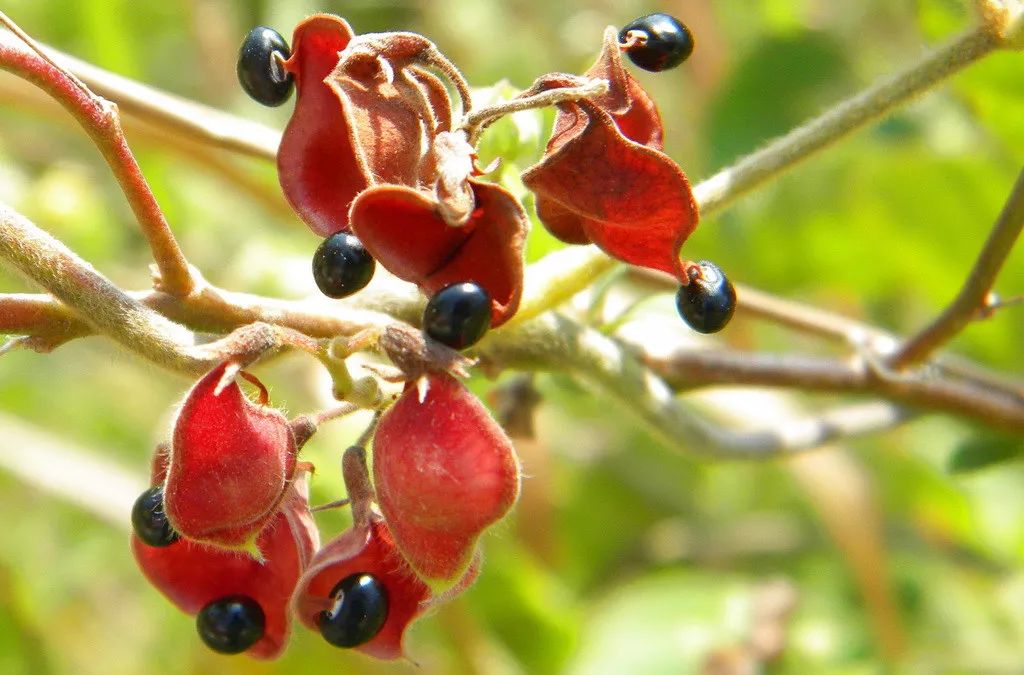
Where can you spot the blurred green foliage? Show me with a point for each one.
(642, 560)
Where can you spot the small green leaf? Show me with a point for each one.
(984, 450)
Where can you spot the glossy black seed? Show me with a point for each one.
(232, 624)
(259, 72)
(359, 612)
(668, 43)
(149, 520)
(708, 303)
(458, 315)
(341, 266)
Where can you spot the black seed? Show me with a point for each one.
(707, 304)
(458, 315)
(259, 72)
(360, 610)
(149, 520)
(341, 266)
(232, 624)
(668, 43)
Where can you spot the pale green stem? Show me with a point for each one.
(843, 119)
(556, 278)
(478, 120)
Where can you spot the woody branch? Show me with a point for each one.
(99, 119)
(550, 342)
(537, 343)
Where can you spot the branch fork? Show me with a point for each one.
(535, 339)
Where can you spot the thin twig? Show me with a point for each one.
(108, 310)
(99, 119)
(334, 413)
(865, 338)
(22, 95)
(29, 42)
(478, 120)
(177, 116)
(240, 135)
(554, 342)
(336, 504)
(757, 304)
(556, 278)
(973, 294)
(686, 369)
(356, 475)
(10, 344)
(804, 318)
(206, 125)
(98, 302)
(215, 310)
(994, 305)
(37, 315)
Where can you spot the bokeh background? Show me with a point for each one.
(904, 550)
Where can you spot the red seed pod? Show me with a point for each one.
(364, 115)
(405, 231)
(603, 178)
(230, 462)
(191, 575)
(366, 549)
(370, 149)
(444, 471)
(319, 166)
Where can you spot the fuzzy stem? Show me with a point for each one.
(100, 121)
(107, 309)
(556, 278)
(435, 58)
(555, 343)
(336, 504)
(478, 120)
(356, 475)
(999, 304)
(304, 427)
(843, 119)
(686, 369)
(334, 413)
(176, 116)
(97, 301)
(145, 133)
(36, 315)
